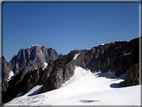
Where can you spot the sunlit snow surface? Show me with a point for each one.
(84, 88)
(11, 75)
(45, 65)
(76, 55)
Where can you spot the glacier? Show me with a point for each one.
(84, 88)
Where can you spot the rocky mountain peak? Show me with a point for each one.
(29, 59)
(43, 47)
(35, 45)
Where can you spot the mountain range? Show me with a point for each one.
(28, 60)
(120, 57)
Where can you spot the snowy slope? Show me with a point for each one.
(84, 88)
(76, 55)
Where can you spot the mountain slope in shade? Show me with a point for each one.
(28, 60)
(84, 88)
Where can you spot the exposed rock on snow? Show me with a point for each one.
(14, 87)
(132, 76)
(22, 83)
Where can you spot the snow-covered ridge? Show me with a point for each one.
(84, 88)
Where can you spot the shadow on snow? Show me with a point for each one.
(35, 92)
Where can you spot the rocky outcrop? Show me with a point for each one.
(13, 88)
(5, 68)
(59, 72)
(132, 76)
(28, 60)
(22, 83)
(31, 79)
(4, 85)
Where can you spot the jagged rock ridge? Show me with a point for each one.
(116, 57)
(28, 60)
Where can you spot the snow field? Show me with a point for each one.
(84, 88)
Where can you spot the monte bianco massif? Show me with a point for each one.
(107, 74)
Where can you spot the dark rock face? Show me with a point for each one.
(4, 85)
(132, 76)
(59, 71)
(28, 60)
(5, 67)
(13, 87)
(31, 79)
(117, 57)
(22, 83)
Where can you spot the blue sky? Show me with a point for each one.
(67, 26)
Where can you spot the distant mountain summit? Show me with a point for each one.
(28, 60)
